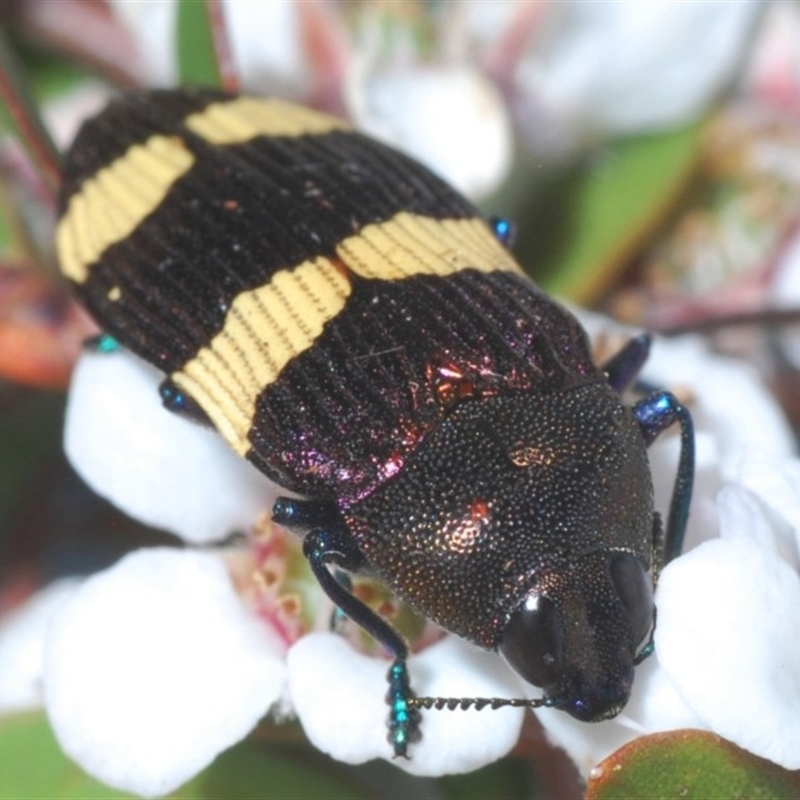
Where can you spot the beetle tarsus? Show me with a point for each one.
(404, 717)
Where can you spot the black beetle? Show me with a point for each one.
(350, 324)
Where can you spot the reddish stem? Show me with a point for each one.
(31, 132)
(228, 75)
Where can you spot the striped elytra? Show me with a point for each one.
(317, 293)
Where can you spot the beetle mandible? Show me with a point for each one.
(352, 325)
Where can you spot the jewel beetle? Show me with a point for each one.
(351, 325)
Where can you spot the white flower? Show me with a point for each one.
(22, 634)
(156, 467)
(159, 663)
(155, 666)
(451, 118)
(618, 68)
(167, 651)
(452, 741)
(729, 608)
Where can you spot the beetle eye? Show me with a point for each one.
(532, 641)
(635, 592)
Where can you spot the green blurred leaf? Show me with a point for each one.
(51, 75)
(197, 58)
(508, 779)
(583, 227)
(33, 766)
(689, 764)
(254, 770)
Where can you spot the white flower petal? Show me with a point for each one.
(729, 623)
(158, 468)
(775, 480)
(732, 411)
(22, 634)
(729, 400)
(154, 667)
(625, 67)
(65, 113)
(267, 46)
(451, 119)
(744, 515)
(152, 25)
(339, 697)
(655, 705)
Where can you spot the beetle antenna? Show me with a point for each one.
(478, 703)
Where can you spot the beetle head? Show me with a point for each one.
(576, 632)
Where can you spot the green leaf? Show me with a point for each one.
(33, 766)
(197, 57)
(508, 779)
(583, 227)
(254, 770)
(51, 75)
(689, 764)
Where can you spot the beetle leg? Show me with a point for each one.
(174, 399)
(655, 413)
(325, 546)
(329, 543)
(623, 367)
(338, 617)
(303, 515)
(102, 343)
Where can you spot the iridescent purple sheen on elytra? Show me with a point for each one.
(385, 372)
